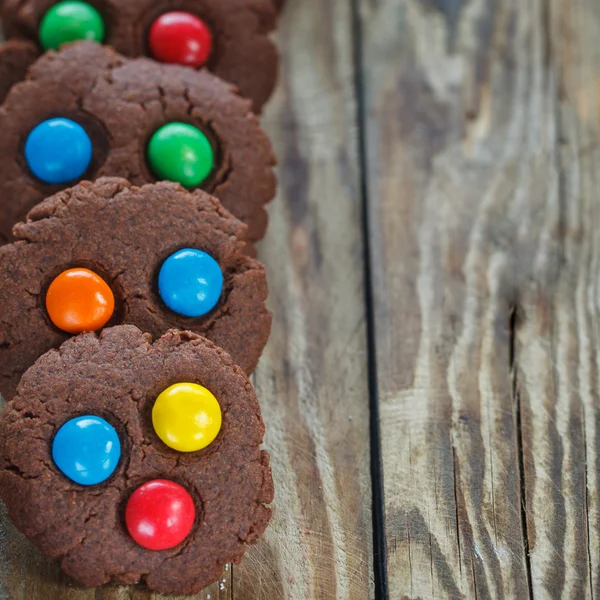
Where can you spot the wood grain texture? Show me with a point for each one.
(557, 333)
(483, 205)
(312, 380)
(464, 199)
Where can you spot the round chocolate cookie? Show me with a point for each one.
(136, 119)
(136, 509)
(229, 37)
(106, 253)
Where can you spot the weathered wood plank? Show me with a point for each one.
(465, 216)
(557, 335)
(312, 380)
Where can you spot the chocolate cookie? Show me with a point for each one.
(15, 58)
(107, 253)
(229, 37)
(90, 475)
(136, 119)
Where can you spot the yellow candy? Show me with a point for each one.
(187, 417)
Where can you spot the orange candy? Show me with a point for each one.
(79, 300)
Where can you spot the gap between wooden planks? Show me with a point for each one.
(481, 126)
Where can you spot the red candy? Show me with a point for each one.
(160, 514)
(180, 38)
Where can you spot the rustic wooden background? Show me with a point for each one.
(431, 387)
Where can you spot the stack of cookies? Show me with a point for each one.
(134, 176)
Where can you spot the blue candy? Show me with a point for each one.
(190, 282)
(87, 450)
(58, 151)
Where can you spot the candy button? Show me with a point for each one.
(186, 417)
(87, 450)
(180, 38)
(79, 300)
(69, 22)
(58, 151)
(190, 282)
(181, 153)
(160, 514)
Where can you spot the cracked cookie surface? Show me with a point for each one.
(121, 103)
(118, 376)
(123, 234)
(243, 53)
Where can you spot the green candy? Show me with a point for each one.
(181, 153)
(70, 21)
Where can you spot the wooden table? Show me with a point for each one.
(431, 387)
